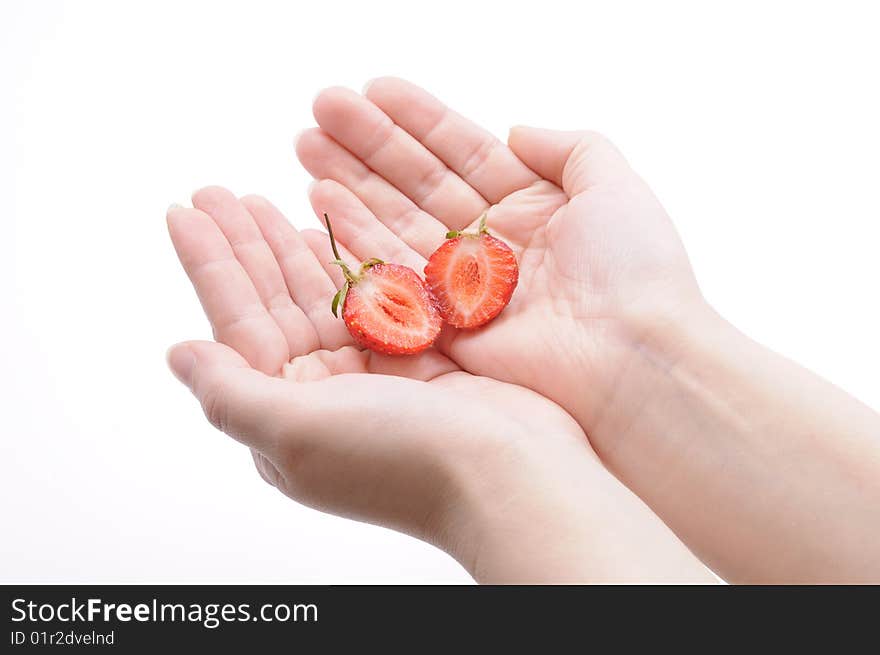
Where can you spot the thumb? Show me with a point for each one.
(574, 161)
(237, 399)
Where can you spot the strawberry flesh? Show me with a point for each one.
(472, 276)
(390, 310)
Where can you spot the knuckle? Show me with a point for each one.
(478, 157)
(381, 135)
(431, 179)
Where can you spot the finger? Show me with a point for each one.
(237, 399)
(321, 364)
(259, 262)
(425, 366)
(308, 283)
(234, 308)
(278, 417)
(574, 161)
(355, 227)
(325, 159)
(367, 132)
(310, 368)
(479, 158)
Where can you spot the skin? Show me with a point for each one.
(768, 473)
(493, 473)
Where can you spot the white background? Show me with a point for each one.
(757, 125)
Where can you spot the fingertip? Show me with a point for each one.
(254, 200)
(259, 208)
(173, 209)
(520, 131)
(314, 193)
(211, 354)
(181, 360)
(178, 219)
(317, 195)
(306, 141)
(271, 222)
(211, 195)
(327, 99)
(236, 398)
(380, 86)
(320, 96)
(514, 132)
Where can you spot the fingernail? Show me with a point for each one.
(367, 86)
(311, 187)
(517, 129)
(181, 361)
(172, 206)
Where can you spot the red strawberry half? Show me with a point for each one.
(472, 276)
(386, 307)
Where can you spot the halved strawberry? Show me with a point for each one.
(386, 307)
(390, 310)
(472, 276)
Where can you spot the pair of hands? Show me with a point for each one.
(477, 445)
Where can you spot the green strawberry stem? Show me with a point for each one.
(350, 278)
(482, 228)
(346, 271)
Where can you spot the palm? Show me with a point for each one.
(267, 296)
(405, 394)
(398, 169)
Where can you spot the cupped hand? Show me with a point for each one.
(495, 474)
(601, 265)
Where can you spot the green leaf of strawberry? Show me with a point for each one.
(338, 299)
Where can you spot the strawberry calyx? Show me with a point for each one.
(351, 278)
(472, 276)
(481, 229)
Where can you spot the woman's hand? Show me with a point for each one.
(601, 266)
(769, 473)
(493, 473)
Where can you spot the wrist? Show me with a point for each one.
(752, 460)
(548, 511)
(651, 377)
